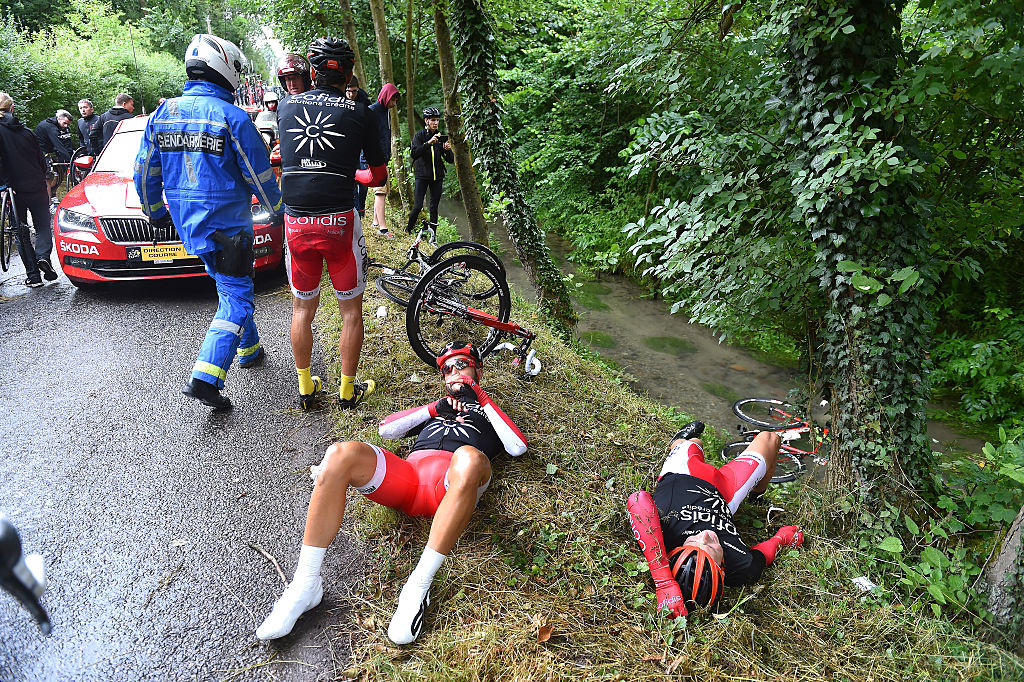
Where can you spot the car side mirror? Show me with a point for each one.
(275, 156)
(84, 163)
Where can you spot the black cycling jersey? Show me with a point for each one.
(452, 429)
(322, 134)
(688, 505)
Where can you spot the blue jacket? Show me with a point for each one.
(208, 158)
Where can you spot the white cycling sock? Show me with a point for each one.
(407, 623)
(304, 592)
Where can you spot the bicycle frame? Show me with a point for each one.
(792, 434)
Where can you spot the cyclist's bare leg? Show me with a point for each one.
(350, 344)
(766, 444)
(468, 472)
(303, 312)
(349, 463)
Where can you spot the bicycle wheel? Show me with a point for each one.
(471, 249)
(75, 175)
(787, 467)
(8, 228)
(453, 301)
(774, 415)
(397, 287)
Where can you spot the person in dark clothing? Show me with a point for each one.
(54, 135)
(387, 98)
(23, 169)
(429, 154)
(357, 94)
(106, 123)
(89, 116)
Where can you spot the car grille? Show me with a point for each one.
(136, 230)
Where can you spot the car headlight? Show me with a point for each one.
(260, 215)
(73, 221)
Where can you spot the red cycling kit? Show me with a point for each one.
(417, 484)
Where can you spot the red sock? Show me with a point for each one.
(787, 536)
(643, 518)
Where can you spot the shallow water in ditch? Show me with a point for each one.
(675, 362)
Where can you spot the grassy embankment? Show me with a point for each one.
(547, 581)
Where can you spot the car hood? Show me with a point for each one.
(110, 194)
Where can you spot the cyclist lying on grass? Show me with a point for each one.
(444, 476)
(694, 502)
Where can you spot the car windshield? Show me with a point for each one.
(119, 154)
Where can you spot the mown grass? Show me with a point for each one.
(547, 582)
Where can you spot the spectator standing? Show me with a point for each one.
(430, 151)
(54, 135)
(293, 73)
(106, 123)
(387, 98)
(357, 94)
(206, 155)
(89, 116)
(23, 169)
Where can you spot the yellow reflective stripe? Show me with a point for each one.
(433, 166)
(277, 206)
(243, 352)
(155, 207)
(212, 370)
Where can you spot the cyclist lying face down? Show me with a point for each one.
(686, 530)
(444, 476)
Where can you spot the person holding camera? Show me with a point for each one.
(430, 151)
(443, 477)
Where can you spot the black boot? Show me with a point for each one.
(690, 431)
(206, 393)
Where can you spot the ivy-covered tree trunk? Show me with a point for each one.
(401, 180)
(1005, 577)
(453, 122)
(350, 36)
(856, 191)
(475, 40)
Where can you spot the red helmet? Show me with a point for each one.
(291, 65)
(699, 577)
(459, 348)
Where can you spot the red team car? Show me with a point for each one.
(101, 234)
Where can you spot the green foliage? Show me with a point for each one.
(89, 57)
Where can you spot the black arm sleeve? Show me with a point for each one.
(419, 145)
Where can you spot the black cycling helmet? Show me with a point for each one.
(330, 54)
(459, 348)
(431, 112)
(294, 65)
(700, 578)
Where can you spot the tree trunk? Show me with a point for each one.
(453, 122)
(400, 182)
(1005, 577)
(350, 36)
(410, 73)
(475, 40)
(874, 349)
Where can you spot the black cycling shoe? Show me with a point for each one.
(207, 394)
(255, 361)
(690, 431)
(360, 392)
(310, 401)
(44, 267)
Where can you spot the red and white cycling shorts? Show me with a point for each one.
(336, 239)
(415, 485)
(734, 479)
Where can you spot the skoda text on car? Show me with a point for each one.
(102, 235)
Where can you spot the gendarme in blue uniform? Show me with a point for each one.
(206, 155)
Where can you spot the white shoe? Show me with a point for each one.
(295, 601)
(407, 623)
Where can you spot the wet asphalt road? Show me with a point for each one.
(142, 501)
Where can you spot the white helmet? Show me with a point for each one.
(214, 59)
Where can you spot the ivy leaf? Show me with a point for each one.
(891, 544)
(849, 266)
(866, 284)
(883, 300)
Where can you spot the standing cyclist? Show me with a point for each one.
(206, 155)
(686, 530)
(443, 477)
(322, 134)
(429, 154)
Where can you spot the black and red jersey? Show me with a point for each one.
(452, 429)
(688, 505)
(322, 134)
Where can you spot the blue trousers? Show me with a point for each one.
(233, 328)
